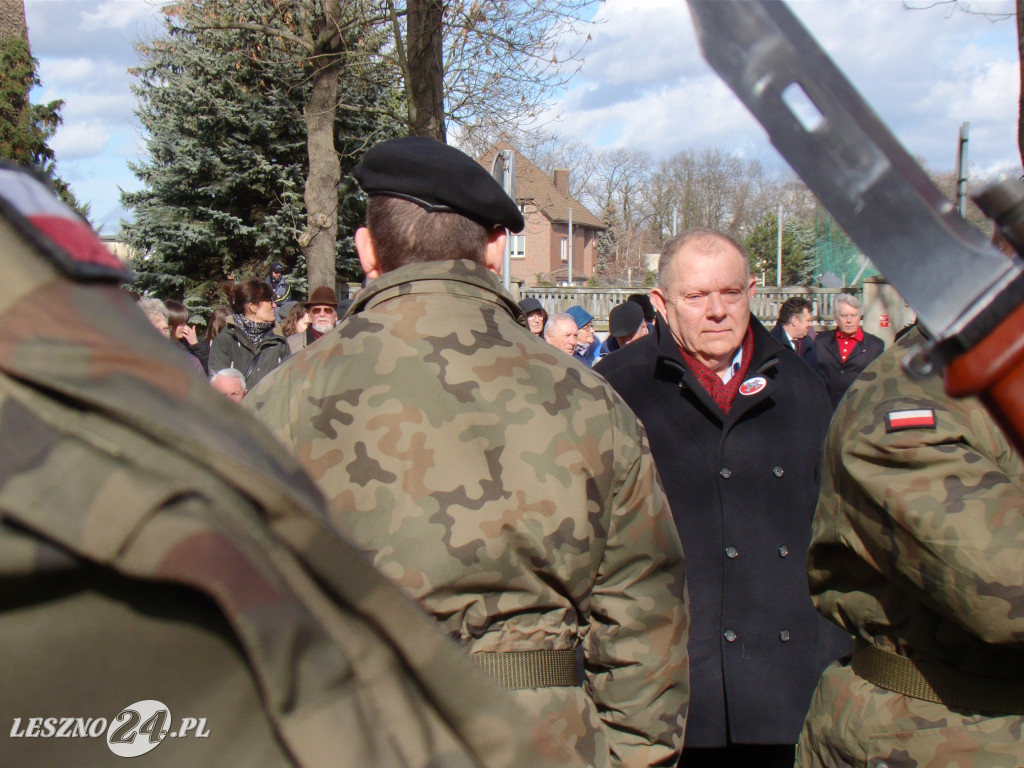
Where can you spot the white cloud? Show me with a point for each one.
(118, 14)
(80, 139)
(645, 85)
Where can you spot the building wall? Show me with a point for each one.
(544, 249)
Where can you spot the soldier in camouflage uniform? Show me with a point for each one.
(918, 550)
(157, 544)
(500, 483)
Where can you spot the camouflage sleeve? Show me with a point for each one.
(637, 666)
(934, 509)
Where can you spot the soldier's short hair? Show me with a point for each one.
(404, 233)
(793, 307)
(849, 300)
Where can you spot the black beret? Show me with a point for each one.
(438, 178)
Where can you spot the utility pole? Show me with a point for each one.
(569, 246)
(778, 267)
(503, 171)
(961, 172)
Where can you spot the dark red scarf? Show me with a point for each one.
(722, 394)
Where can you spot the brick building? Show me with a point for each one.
(542, 248)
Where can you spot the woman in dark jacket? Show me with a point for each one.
(248, 342)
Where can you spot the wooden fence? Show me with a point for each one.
(765, 306)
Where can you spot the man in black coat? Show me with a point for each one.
(736, 424)
(845, 352)
(793, 330)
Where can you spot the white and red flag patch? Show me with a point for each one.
(31, 205)
(919, 418)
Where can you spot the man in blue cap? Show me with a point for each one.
(506, 489)
(586, 344)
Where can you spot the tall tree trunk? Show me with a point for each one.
(426, 67)
(319, 239)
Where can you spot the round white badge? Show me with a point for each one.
(753, 386)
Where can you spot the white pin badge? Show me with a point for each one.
(753, 386)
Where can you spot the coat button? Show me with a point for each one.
(777, 470)
(783, 551)
(731, 552)
(730, 636)
(725, 472)
(784, 635)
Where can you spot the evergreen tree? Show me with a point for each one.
(224, 179)
(797, 250)
(26, 128)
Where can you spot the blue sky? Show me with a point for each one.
(643, 85)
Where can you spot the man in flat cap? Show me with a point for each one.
(503, 485)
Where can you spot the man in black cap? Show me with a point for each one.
(282, 291)
(504, 486)
(536, 315)
(626, 324)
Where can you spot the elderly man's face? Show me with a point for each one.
(799, 325)
(585, 335)
(563, 334)
(536, 321)
(229, 386)
(847, 318)
(707, 302)
(322, 317)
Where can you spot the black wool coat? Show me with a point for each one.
(839, 375)
(742, 488)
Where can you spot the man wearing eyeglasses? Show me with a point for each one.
(736, 423)
(322, 307)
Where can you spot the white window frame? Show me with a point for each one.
(517, 246)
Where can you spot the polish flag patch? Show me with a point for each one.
(921, 418)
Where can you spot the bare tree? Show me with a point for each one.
(710, 188)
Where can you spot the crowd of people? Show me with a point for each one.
(618, 532)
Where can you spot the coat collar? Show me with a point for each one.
(455, 277)
(669, 366)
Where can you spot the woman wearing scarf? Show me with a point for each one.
(248, 342)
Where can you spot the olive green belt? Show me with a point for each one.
(530, 669)
(938, 683)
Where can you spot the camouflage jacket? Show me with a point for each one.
(504, 486)
(918, 548)
(157, 544)
(918, 538)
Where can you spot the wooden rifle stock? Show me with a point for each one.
(994, 371)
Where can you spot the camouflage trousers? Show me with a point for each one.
(852, 722)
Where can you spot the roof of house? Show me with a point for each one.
(535, 186)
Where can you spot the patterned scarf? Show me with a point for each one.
(253, 331)
(722, 394)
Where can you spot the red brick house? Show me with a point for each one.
(542, 248)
